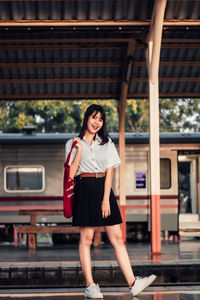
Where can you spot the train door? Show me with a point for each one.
(188, 184)
(189, 194)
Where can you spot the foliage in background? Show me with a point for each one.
(51, 115)
(137, 115)
(66, 116)
(180, 115)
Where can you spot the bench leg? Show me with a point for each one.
(31, 241)
(15, 236)
(20, 238)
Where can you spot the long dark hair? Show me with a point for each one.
(103, 131)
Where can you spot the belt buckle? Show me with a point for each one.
(98, 175)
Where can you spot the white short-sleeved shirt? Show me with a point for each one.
(95, 158)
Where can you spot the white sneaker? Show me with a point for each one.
(141, 284)
(93, 291)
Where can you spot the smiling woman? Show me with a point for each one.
(92, 164)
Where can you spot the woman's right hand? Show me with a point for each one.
(76, 161)
(79, 144)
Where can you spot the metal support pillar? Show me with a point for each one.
(122, 109)
(153, 57)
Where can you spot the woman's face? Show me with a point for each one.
(95, 122)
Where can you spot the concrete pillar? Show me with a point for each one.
(153, 58)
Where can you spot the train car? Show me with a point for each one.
(31, 172)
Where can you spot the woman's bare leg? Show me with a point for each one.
(115, 236)
(86, 236)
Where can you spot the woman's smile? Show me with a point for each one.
(95, 126)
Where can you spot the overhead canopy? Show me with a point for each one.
(69, 49)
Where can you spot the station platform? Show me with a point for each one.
(109, 293)
(58, 266)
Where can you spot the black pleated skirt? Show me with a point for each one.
(88, 197)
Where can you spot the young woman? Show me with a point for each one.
(91, 164)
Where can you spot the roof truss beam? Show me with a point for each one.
(93, 64)
(62, 64)
(96, 40)
(95, 96)
(97, 80)
(88, 46)
(93, 23)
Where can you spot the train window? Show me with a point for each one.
(165, 173)
(24, 178)
(140, 180)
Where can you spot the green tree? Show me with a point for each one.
(137, 115)
(51, 115)
(46, 116)
(180, 115)
(13, 116)
(175, 115)
(66, 116)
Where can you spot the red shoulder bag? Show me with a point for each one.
(68, 187)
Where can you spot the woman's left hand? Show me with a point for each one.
(105, 207)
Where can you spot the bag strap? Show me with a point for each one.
(69, 155)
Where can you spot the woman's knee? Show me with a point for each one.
(117, 240)
(86, 239)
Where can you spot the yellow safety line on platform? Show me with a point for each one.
(41, 295)
(106, 293)
(96, 261)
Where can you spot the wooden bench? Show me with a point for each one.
(32, 229)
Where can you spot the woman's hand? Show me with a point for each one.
(79, 144)
(76, 161)
(105, 208)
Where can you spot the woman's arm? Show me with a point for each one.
(76, 161)
(107, 188)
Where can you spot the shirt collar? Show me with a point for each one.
(97, 139)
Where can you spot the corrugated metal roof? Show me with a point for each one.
(45, 62)
(76, 10)
(95, 9)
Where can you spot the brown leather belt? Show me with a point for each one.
(97, 175)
